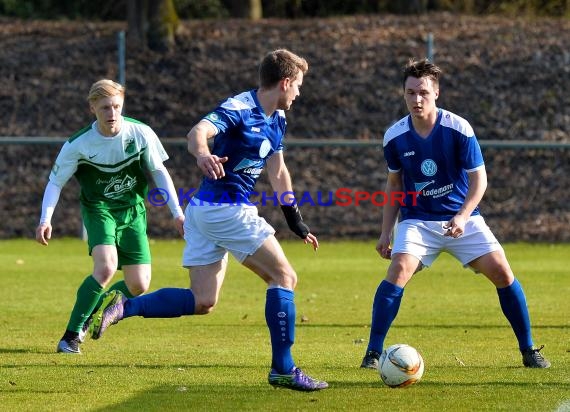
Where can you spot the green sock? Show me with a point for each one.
(120, 286)
(88, 295)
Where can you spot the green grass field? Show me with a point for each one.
(220, 362)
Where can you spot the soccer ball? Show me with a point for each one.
(400, 365)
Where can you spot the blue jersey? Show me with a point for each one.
(248, 138)
(434, 168)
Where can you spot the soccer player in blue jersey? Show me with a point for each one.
(110, 159)
(248, 131)
(435, 154)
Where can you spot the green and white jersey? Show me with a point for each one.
(110, 170)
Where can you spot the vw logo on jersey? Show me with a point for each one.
(429, 168)
(264, 148)
(213, 117)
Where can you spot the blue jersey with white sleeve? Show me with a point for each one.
(434, 169)
(248, 138)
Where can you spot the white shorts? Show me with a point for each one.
(210, 231)
(425, 240)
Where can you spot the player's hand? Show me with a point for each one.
(43, 233)
(383, 246)
(455, 227)
(179, 223)
(212, 166)
(312, 239)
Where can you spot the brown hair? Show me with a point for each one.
(278, 65)
(421, 68)
(104, 88)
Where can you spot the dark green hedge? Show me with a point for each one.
(196, 9)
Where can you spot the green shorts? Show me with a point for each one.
(124, 228)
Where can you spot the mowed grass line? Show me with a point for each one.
(220, 361)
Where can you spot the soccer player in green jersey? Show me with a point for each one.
(109, 159)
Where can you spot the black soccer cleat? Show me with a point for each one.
(371, 360)
(70, 346)
(532, 358)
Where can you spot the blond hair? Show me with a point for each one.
(104, 88)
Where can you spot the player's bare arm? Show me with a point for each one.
(211, 165)
(477, 186)
(179, 224)
(280, 181)
(389, 215)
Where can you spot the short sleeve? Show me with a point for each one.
(154, 155)
(391, 156)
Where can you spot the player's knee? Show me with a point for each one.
(203, 307)
(138, 288)
(502, 277)
(399, 273)
(286, 277)
(104, 273)
(292, 279)
(137, 279)
(499, 273)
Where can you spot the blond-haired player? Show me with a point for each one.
(109, 159)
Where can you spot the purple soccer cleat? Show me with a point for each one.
(296, 380)
(110, 312)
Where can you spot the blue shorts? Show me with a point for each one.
(210, 231)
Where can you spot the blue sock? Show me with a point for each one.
(384, 310)
(164, 303)
(280, 318)
(513, 304)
